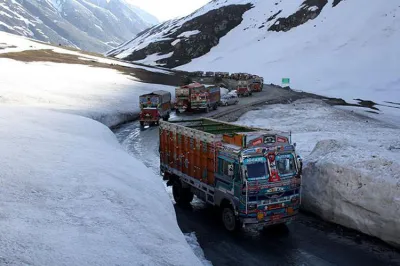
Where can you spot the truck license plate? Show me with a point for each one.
(276, 217)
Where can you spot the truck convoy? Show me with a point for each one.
(196, 96)
(253, 175)
(154, 106)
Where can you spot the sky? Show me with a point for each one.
(169, 9)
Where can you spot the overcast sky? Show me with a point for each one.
(168, 9)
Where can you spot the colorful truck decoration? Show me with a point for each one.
(196, 96)
(154, 106)
(205, 98)
(253, 175)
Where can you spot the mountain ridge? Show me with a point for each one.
(92, 25)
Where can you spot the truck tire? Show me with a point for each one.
(215, 106)
(229, 219)
(142, 123)
(182, 196)
(177, 111)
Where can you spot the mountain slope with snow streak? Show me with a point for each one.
(345, 49)
(92, 25)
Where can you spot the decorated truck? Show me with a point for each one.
(182, 98)
(154, 106)
(243, 88)
(257, 84)
(205, 98)
(252, 175)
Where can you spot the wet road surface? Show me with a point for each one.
(307, 241)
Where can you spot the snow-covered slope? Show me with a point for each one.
(347, 49)
(71, 195)
(93, 25)
(351, 164)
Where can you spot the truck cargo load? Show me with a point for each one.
(154, 106)
(253, 175)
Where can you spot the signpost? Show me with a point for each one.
(285, 82)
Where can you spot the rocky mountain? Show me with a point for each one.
(340, 48)
(92, 25)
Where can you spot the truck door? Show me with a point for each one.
(225, 176)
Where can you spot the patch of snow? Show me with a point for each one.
(351, 164)
(152, 59)
(191, 239)
(313, 8)
(69, 196)
(97, 26)
(175, 42)
(187, 34)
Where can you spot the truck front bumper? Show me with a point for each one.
(254, 221)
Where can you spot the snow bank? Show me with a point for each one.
(70, 195)
(351, 164)
(102, 94)
(198, 251)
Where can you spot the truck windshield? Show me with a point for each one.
(256, 168)
(285, 164)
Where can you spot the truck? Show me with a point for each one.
(257, 84)
(253, 176)
(154, 106)
(205, 98)
(243, 88)
(182, 97)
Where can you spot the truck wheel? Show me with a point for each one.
(177, 112)
(229, 220)
(165, 118)
(215, 106)
(142, 123)
(182, 196)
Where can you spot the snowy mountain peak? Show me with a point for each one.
(93, 25)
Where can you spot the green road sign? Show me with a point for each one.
(285, 80)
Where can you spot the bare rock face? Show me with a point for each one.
(93, 25)
(309, 10)
(211, 26)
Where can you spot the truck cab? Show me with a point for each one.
(257, 85)
(205, 98)
(243, 89)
